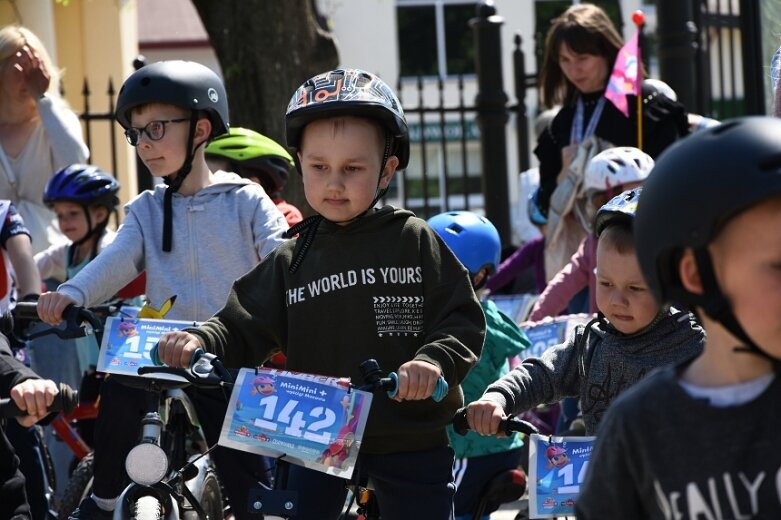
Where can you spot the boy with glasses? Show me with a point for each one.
(193, 237)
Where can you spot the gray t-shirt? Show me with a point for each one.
(662, 454)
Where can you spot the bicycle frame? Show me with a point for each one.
(175, 492)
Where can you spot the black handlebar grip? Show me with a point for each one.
(460, 424)
(25, 311)
(513, 424)
(507, 426)
(65, 401)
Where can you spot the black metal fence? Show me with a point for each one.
(102, 119)
(441, 176)
(459, 155)
(724, 42)
(729, 58)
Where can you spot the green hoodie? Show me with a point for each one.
(383, 287)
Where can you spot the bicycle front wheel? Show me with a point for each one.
(79, 487)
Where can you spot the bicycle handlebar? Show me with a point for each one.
(73, 317)
(65, 400)
(374, 381)
(206, 370)
(508, 425)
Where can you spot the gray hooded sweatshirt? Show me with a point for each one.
(598, 367)
(219, 233)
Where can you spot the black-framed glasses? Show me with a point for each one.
(155, 130)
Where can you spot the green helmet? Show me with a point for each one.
(253, 155)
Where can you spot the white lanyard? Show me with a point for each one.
(577, 135)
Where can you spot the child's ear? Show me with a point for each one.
(387, 173)
(100, 213)
(689, 273)
(203, 130)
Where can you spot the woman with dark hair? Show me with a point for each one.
(580, 51)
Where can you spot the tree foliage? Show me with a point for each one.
(266, 49)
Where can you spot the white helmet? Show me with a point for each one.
(606, 174)
(616, 167)
(661, 87)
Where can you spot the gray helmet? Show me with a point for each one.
(186, 84)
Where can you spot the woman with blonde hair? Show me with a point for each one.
(39, 134)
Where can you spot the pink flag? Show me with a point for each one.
(625, 78)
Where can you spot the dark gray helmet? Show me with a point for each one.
(187, 84)
(696, 187)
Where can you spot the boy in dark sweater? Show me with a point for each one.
(30, 393)
(630, 336)
(700, 439)
(358, 283)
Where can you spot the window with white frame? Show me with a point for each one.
(435, 38)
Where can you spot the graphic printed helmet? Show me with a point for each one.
(254, 155)
(608, 171)
(472, 238)
(621, 208)
(186, 84)
(83, 184)
(348, 92)
(699, 184)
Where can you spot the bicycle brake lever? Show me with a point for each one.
(73, 317)
(205, 368)
(181, 372)
(71, 331)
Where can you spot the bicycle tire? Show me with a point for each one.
(79, 487)
(210, 499)
(147, 508)
(46, 459)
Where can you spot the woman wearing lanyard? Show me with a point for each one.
(580, 49)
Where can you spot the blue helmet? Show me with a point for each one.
(533, 207)
(620, 208)
(472, 238)
(83, 184)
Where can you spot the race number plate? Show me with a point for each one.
(309, 420)
(557, 466)
(549, 332)
(127, 342)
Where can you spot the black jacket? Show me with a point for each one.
(664, 121)
(13, 499)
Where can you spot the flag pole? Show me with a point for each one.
(638, 17)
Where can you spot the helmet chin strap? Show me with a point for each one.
(717, 307)
(92, 231)
(174, 182)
